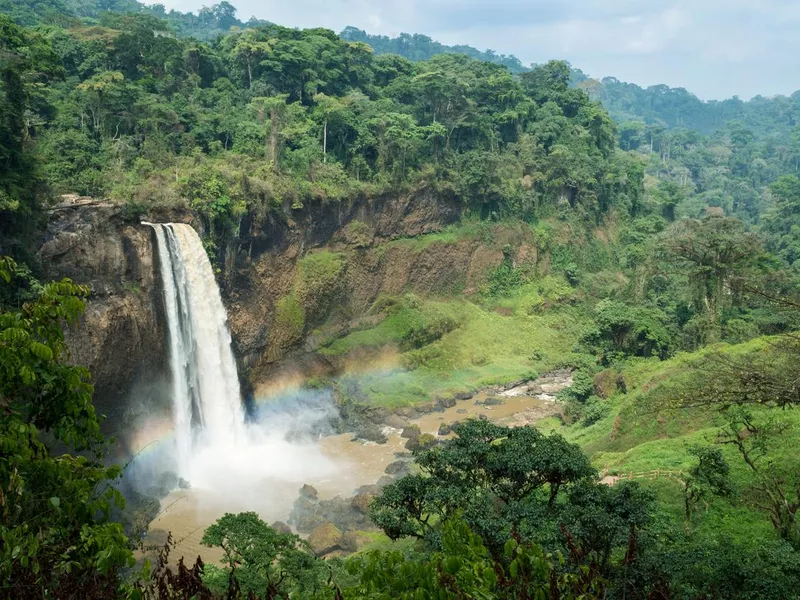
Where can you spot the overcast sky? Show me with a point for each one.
(714, 48)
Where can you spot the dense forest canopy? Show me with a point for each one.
(668, 228)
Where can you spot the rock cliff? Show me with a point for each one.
(120, 337)
(286, 276)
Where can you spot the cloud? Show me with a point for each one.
(714, 48)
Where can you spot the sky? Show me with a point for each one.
(714, 48)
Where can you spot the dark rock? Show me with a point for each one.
(183, 484)
(281, 527)
(423, 442)
(353, 541)
(493, 401)
(306, 515)
(395, 421)
(361, 502)
(447, 428)
(371, 433)
(483, 417)
(369, 489)
(411, 432)
(463, 395)
(384, 481)
(309, 491)
(325, 538)
(462, 411)
(399, 468)
(447, 402)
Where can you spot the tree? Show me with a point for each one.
(271, 113)
(464, 568)
(262, 561)
(628, 330)
(782, 221)
(776, 492)
(717, 256)
(709, 477)
(491, 473)
(26, 63)
(58, 538)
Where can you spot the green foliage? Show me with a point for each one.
(483, 462)
(55, 514)
(623, 330)
(260, 560)
(505, 279)
(710, 476)
(289, 319)
(464, 568)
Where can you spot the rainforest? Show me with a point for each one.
(286, 313)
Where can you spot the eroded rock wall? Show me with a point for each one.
(120, 338)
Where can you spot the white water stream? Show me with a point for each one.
(206, 400)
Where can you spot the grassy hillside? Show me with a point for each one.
(646, 436)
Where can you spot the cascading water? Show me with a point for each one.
(206, 400)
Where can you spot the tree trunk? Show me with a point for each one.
(273, 138)
(325, 142)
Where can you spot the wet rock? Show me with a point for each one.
(463, 395)
(395, 421)
(483, 417)
(281, 527)
(398, 468)
(448, 428)
(309, 491)
(369, 489)
(370, 433)
(384, 481)
(426, 407)
(462, 411)
(354, 541)
(361, 502)
(183, 484)
(446, 402)
(493, 401)
(411, 432)
(325, 539)
(306, 515)
(423, 442)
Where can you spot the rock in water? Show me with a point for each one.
(309, 492)
(361, 502)
(398, 468)
(411, 432)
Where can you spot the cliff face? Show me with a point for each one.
(285, 278)
(306, 275)
(120, 339)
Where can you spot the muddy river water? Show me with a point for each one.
(343, 466)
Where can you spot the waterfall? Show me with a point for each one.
(206, 401)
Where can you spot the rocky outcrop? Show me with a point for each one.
(290, 281)
(120, 337)
(326, 264)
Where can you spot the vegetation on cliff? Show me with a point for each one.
(653, 261)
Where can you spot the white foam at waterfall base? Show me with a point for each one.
(214, 448)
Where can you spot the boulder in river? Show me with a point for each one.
(361, 502)
(398, 468)
(309, 491)
(411, 432)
